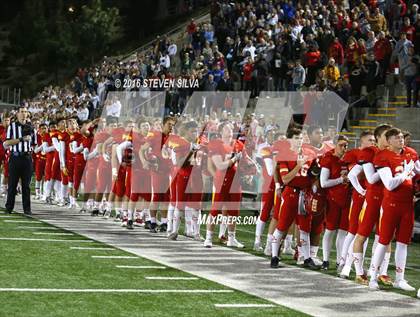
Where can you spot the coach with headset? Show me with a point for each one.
(20, 139)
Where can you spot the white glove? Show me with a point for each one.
(106, 157)
(195, 146)
(408, 168)
(114, 172)
(238, 156)
(85, 153)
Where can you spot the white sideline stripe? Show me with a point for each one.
(244, 305)
(140, 267)
(169, 278)
(38, 227)
(23, 221)
(36, 239)
(101, 290)
(114, 257)
(54, 233)
(92, 248)
(15, 217)
(214, 264)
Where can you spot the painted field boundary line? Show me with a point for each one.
(115, 257)
(158, 267)
(174, 278)
(53, 233)
(48, 240)
(94, 248)
(244, 305)
(38, 227)
(102, 290)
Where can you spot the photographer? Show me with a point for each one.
(20, 138)
(411, 72)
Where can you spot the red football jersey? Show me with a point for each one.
(336, 166)
(325, 147)
(65, 137)
(157, 140)
(367, 155)
(352, 158)
(287, 162)
(226, 151)
(388, 158)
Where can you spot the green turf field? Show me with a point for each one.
(53, 265)
(246, 235)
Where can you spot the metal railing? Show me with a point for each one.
(10, 96)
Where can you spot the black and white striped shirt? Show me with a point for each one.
(14, 131)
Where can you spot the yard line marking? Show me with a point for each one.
(101, 290)
(114, 257)
(170, 278)
(51, 240)
(140, 267)
(213, 264)
(191, 254)
(54, 233)
(92, 248)
(244, 305)
(38, 227)
(23, 221)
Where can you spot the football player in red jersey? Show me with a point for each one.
(293, 167)
(101, 143)
(358, 182)
(119, 169)
(40, 160)
(49, 150)
(226, 154)
(320, 147)
(334, 179)
(76, 148)
(185, 159)
(155, 158)
(396, 168)
(56, 171)
(369, 216)
(265, 152)
(138, 179)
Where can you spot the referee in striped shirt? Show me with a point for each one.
(20, 138)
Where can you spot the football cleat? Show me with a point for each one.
(418, 293)
(139, 222)
(153, 227)
(362, 280)
(163, 227)
(61, 204)
(325, 265)
(82, 210)
(95, 212)
(310, 264)
(317, 261)
(274, 264)
(130, 225)
(345, 272)
(173, 236)
(267, 249)
(300, 260)
(339, 269)
(289, 251)
(147, 224)
(234, 243)
(373, 285)
(403, 284)
(385, 280)
(258, 247)
(208, 243)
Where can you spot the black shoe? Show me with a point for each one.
(325, 265)
(163, 227)
(147, 225)
(9, 211)
(153, 227)
(310, 264)
(130, 225)
(28, 213)
(274, 262)
(95, 212)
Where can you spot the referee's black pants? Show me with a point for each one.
(20, 167)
